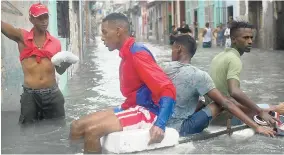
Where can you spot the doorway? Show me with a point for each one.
(279, 32)
(230, 13)
(195, 24)
(255, 18)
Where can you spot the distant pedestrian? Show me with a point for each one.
(207, 36)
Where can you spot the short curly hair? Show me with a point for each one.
(235, 25)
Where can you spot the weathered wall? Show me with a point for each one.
(279, 25)
(268, 40)
(15, 13)
(74, 45)
(236, 7)
(261, 15)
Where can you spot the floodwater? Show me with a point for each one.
(96, 86)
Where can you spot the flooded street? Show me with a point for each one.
(96, 86)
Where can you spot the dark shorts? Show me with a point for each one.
(206, 44)
(39, 104)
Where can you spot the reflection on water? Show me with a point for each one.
(241, 142)
(44, 137)
(236, 144)
(96, 86)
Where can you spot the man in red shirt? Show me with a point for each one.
(41, 97)
(150, 95)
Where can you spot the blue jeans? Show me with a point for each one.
(196, 122)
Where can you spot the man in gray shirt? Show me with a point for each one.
(190, 83)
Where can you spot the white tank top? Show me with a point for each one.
(207, 36)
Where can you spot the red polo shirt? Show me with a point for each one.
(50, 47)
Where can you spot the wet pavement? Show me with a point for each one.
(96, 86)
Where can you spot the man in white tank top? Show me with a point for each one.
(207, 36)
(227, 35)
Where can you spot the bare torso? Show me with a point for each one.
(37, 75)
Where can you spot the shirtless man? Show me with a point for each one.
(41, 97)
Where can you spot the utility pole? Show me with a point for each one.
(173, 13)
(81, 31)
(178, 12)
(166, 22)
(87, 21)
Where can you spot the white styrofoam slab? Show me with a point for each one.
(136, 140)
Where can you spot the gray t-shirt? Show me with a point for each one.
(190, 83)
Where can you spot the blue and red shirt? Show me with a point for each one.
(143, 82)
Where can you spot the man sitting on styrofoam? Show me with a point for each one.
(150, 95)
(190, 83)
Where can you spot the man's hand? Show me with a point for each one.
(265, 131)
(62, 68)
(156, 135)
(268, 118)
(65, 64)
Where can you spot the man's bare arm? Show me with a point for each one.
(219, 99)
(240, 96)
(204, 32)
(215, 33)
(216, 96)
(11, 32)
